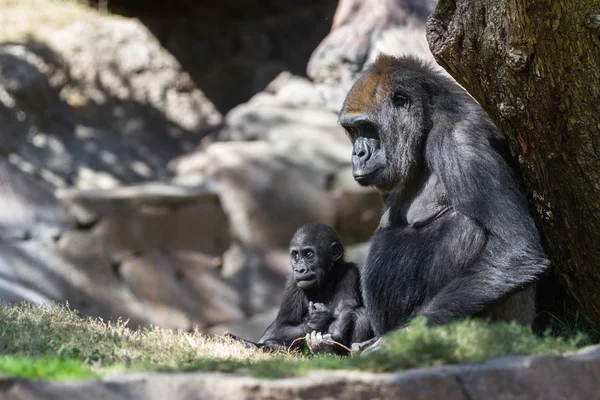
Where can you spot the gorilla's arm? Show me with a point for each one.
(290, 323)
(346, 300)
(481, 185)
(350, 323)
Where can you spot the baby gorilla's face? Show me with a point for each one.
(314, 250)
(309, 264)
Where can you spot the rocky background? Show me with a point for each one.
(155, 160)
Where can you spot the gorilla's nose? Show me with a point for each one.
(361, 151)
(300, 270)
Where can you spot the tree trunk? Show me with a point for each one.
(534, 66)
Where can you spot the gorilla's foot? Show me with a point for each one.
(368, 346)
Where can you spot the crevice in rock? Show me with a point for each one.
(179, 275)
(461, 384)
(56, 237)
(86, 225)
(115, 267)
(24, 236)
(330, 181)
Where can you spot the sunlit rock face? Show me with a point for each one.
(134, 184)
(99, 104)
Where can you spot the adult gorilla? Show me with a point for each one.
(456, 239)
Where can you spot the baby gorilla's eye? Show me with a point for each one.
(309, 254)
(295, 256)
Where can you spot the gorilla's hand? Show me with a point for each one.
(319, 317)
(318, 342)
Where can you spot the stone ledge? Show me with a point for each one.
(533, 377)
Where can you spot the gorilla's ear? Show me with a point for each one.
(336, 251)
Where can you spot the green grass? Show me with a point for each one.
(45, 368)
(53, 342)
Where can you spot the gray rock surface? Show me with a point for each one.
(98, 105)
(361, 30)
(151, 253)
(126, 193)
(574, 377)
(279, 162)
(234, 48)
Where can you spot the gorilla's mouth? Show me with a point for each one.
(307, 283)
(365, 178)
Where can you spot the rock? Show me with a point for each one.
(99, 105)
(28, 207)
(177, 294)
(166, 244)
(289, 100)
(361, 30)
(279, 162)
(115, 60)
(359, 208)
(80, 275)
(358, 253)
(150, 253)
(99, 110)
(573, 377)
(152, 216)
(233, 49)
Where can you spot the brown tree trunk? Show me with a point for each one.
(534, 66)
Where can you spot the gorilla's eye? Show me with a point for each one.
(399, 100)
(309, 254)
(295, 255)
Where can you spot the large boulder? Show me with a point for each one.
(98, 105)
(150, 253)
(361, 30)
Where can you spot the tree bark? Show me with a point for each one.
(534, 66)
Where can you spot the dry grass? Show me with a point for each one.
(53, 342)
(56, 331)
(37, 19)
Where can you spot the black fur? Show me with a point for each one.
(456, 239)
(336, 288)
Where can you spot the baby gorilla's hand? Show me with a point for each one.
(318, 342)
(319, 317)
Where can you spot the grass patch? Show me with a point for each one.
(572, 324)
(45, 368)
(52, 330)
(53, 342)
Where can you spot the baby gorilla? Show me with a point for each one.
(322, 302)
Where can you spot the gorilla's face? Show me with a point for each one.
(385, 116)
(314, 250)
(368, 156)
(308, 266)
